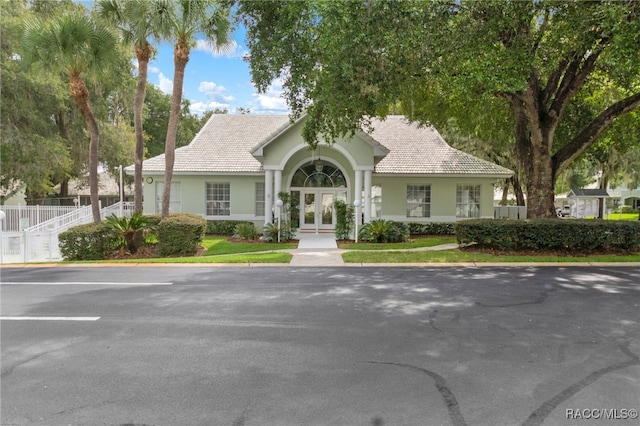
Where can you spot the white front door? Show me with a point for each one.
(317, 209)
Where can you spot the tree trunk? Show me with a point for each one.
(80, 94)
(143, 55)
(180, 57)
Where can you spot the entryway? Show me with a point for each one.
(317, 213)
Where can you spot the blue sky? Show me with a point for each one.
(211, 80)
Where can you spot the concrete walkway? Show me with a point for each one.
(317, 250)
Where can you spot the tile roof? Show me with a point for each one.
(225, 144)
(586, 192)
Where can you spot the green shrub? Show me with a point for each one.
(130, 229)
(87, 242)
(245, 231)
(180, 234)
(384, 231)
(581, 236)
(344, 220)
(624, 209)
(432, 228)
(270, 232)
(223, 227)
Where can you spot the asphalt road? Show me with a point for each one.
(320, 346)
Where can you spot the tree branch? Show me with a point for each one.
(589, 134)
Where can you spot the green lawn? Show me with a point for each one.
(217, 245)
(624, 216)
(416, 242)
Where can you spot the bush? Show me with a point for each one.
(270, 232)
(130, 229)
(550, 234)
(432, 228)
(245, 231)
(224, 227)
(384, 231)
(88, 242)
(180, 234)
(344, 220)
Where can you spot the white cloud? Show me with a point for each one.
(154, 70)
(200, 108)
(272, 100)
(215, 92)
(164, 84)
(228, 50)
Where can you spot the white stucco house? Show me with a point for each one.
(237, 164)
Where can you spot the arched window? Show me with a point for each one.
(318, 175)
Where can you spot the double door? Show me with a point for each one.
(318, 212)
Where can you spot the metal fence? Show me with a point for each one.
(39, 243)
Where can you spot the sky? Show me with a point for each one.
(216, 81)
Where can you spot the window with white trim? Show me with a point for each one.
(259, 198)
(175, 203)
(218, 201)
(418, 200)
(468, 201)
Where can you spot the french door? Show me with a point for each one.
(316, 208)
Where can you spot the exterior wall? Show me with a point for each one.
(443, 197)
(193, 195)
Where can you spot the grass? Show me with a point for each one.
(458, 256)
(231, 258)
(217, 245)
(416, 242)
(624, 216)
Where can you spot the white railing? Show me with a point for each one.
(39, 243)
(17, 218)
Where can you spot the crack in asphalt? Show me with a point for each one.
(7, 371)
(432, 317)
(441, 384)
(541, 413)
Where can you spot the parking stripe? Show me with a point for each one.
(49, 318)
(81, 283)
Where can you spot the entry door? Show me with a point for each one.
(318, 211)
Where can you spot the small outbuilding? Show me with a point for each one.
(586, 202)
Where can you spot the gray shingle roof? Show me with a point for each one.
(585, 192)
(226, 142)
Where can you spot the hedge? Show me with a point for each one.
(432, 228)
(224, 227)
(550, 234)
(180, 234)
(87, 242)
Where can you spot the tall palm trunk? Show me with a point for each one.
(80, 94)
(180, 58)
(143, 54)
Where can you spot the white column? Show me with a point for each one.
(268, 195)
(367, 196)
(357, 192)
(277, 183)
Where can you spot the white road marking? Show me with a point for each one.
(49, 318)
(79, 283)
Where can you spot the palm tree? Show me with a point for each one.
(138, 21)
(78, 46)
(206, 17)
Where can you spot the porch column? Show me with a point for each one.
(277, 183)
(367, 196)
(357, 191)
(268, 195)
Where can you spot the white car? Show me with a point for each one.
(564, 211)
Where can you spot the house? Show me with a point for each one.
(237, 164)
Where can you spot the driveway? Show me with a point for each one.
(320, 346)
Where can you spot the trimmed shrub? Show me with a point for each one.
(224, 227)
(432, 228)
(245, 231)
(384, 231)
(88, 242)
(550, 234)
(180, 234)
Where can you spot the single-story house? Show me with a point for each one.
(236, 166)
